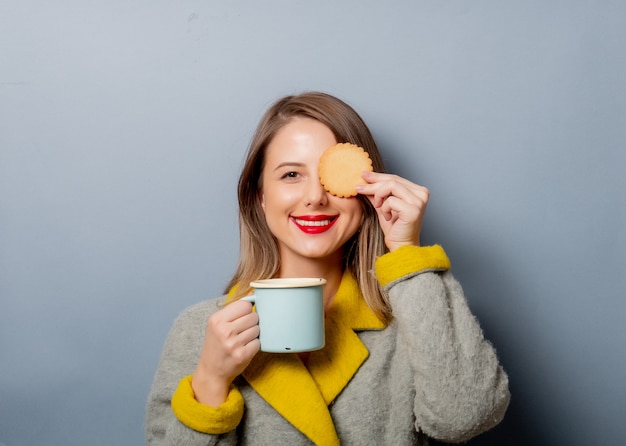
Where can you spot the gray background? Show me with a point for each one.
(123, 126)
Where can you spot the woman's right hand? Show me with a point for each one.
(230, 343)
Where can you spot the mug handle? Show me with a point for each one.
(250, 298)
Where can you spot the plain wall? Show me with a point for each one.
(123, 126)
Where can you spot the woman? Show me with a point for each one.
(404, 360)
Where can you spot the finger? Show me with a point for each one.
(394, 208)
(412, 194)
(245, 322)
(249, 335)
(377, 177)
(252, 347)
(236, 309)
(248, 343)
(236, 334)
(392, 185)
(225, 324)
(410, 206)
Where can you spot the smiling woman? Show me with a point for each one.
(404, 360)
(296, 205)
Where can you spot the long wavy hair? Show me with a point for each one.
(259, 255)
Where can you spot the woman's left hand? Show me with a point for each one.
(400, 205)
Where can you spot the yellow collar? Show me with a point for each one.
(302, 395)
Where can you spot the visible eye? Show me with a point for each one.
(290, 175)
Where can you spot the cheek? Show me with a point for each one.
(355, 207)
(280, 198)
(355, 211)
(357, 219)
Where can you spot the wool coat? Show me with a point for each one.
(430, 373)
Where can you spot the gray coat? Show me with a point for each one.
(430, 373)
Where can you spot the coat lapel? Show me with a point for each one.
(302, 395)
(334, 366)
(286, 385)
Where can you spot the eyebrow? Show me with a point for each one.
(288, 164)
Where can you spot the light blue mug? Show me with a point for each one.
(291, 314)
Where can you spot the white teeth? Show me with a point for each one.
(312, 223)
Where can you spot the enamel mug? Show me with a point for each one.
(291, 314)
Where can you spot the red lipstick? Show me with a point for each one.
(314, 224)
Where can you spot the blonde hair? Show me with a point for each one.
(259, 256)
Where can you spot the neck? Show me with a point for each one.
(329, 269)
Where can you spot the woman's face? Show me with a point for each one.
(308, 222)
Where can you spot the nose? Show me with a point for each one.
(316, 194)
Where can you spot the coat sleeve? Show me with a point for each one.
(180, 354)
(461, 390)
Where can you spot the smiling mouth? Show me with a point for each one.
(314, 225)
(301, 222)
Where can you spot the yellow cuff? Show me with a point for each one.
(203, 418)
(410, 260)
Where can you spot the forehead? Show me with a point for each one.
(301, 136)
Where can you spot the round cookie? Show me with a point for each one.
(340, 168)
